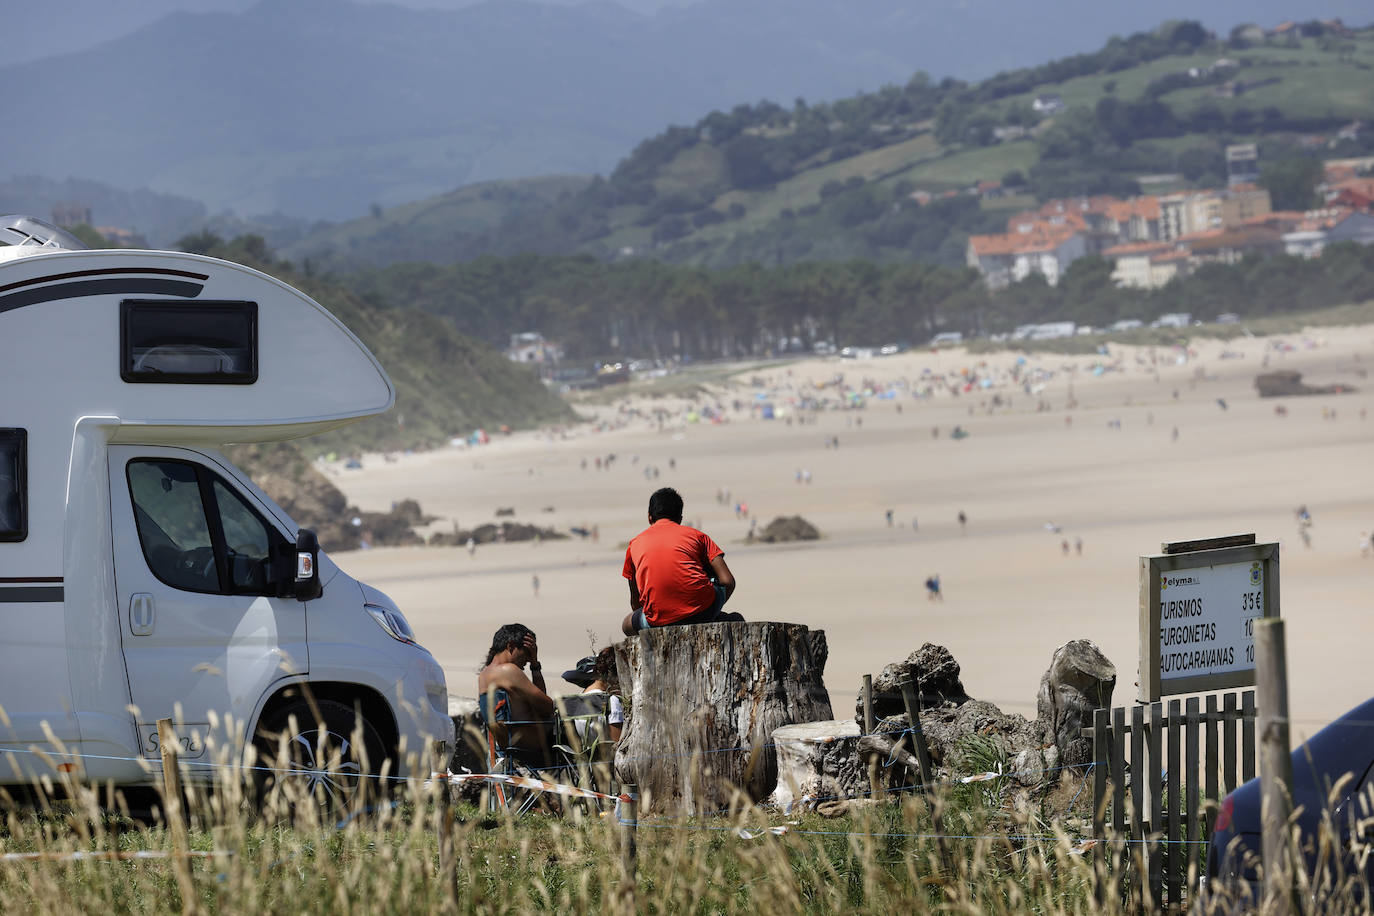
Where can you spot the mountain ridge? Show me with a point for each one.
(321, 108)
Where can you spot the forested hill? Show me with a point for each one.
(777, 183)
(447, 384)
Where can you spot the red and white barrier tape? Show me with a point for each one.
(108, 855)
(529, 782)
(541, 785)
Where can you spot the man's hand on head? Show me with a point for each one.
(532, 651)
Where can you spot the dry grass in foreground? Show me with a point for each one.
(283, 856)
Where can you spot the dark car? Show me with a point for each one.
(1333, 783)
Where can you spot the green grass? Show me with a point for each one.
(961, 169)
(804, 189)
(698, 166)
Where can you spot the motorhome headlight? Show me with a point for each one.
(393, 621)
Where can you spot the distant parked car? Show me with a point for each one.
(1228, 318)
(1346, 746)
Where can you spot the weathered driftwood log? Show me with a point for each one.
(702, 703)
(1080, 679)
(817, 762)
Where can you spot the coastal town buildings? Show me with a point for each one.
(1149, 238)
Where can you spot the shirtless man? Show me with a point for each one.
(512, 648)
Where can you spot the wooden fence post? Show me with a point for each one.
(918, 738)
(918, 742)
(869, 726)
(628, 807)
(1100, 766)
(868, 704)
(174, 814)
(444, 816)
(1276, 764)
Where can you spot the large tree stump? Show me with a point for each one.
(817, 761)
(702, 703)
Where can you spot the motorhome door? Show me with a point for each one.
(203, 635)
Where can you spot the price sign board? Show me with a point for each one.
(1198, 607)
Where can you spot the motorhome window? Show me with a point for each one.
(14, 515)
(172, 525)
(247, 540)
(190, 343)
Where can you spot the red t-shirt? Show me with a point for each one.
(671, 567)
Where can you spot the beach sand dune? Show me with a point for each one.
(1112, 474)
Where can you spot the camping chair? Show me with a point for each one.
(588, 735)
(509, 760)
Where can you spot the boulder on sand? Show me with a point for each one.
(1283, 383)
(788, 528)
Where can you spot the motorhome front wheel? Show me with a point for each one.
(317, 754)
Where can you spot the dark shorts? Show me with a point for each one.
(714, 614)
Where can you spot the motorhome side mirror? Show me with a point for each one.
(307, 587)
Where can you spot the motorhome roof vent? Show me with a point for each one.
(28, 230)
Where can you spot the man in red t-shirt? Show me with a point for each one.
(677, 575)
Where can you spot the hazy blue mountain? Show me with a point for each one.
(321, 108)
(34, 30)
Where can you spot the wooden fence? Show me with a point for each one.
(1155, 800)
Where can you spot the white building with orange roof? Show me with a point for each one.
(1042, 248)
(1135, 264)
(1135, 220)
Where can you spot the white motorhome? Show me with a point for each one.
(142, 575)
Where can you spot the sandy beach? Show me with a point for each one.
(1123, 451)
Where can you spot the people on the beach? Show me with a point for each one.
(933, 588)
(529, 726)
(676, 575)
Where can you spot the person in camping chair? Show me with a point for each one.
(528, 727)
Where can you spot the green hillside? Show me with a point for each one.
(471, 220)
(835, 180)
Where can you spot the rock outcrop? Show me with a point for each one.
(788, 528)
(1080, 679)
(1282, 383)
(933, 672)
(956, 726)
